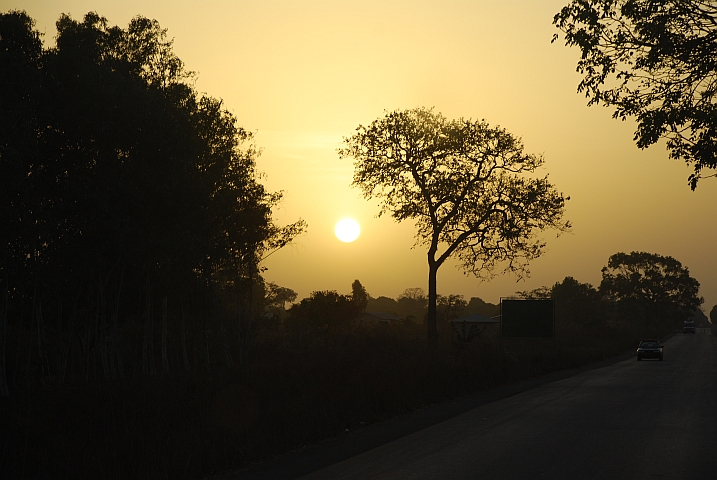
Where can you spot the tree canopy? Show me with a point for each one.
(359, 295)
(652, 279)
(107, 153)
(576, 303)
(464, 184)
(117, 176)
(278, 297)
(653, 60)
(323, 311)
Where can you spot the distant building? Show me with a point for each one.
(378, 317)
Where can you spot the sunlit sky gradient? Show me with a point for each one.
(305, 74)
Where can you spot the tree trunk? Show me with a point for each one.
(185, 359)
(432, 298)
(225, 343)
(206, 348)
(250, 317)
(42, 345)
(165, 360)
(31, 327)
(3, 334)
(116, 351)
(58, 355)
(71, 332)
(240, 323)
(223, 334)
(206, 331)
(102, 337)
(19, 336)
(148, 346)
(86, 342)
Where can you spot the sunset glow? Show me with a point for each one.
(347, 230)
(304, 75)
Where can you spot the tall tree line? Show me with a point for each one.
(124, 194)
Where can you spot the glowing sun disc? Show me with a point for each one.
(347, 230)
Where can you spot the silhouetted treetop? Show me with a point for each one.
(359, 295)
(18, 38)
(478, 305)
(649, 277)
(276, 296)
(654, 60)
(117, 175)
(383, 304)
(323, 311)
(128, 160)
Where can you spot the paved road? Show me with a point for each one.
(630, 419)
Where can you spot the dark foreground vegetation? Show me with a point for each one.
(297, 389)
(312, 372)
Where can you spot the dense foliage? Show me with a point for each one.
(651, 285)
(298, 390)
(124, 192)
(322, 312)
(653, 60)
(645, 290)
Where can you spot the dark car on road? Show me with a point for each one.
(689, 327)
(649, 349)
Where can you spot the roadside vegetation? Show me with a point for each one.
(314, 371)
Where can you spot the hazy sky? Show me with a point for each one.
(305, 74)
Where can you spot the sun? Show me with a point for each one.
(347, 230)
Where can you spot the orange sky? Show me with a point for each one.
(305, 74)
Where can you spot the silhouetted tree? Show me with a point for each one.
(323, 311)
(578, 303)
(460, 180)
(477, 305)
(412, 303)
(382, 304)
(450, 307)
(654, 60)
(276, 296)
(359, 295)
(273, 305)
(20, 53)
(713, 315)
(117, 178)
(415, 293)
(536, 293)
(650, 281)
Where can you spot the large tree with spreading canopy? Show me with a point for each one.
(656, 280)
(465, 184)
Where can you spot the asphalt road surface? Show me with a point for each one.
(630, 419)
